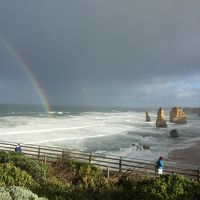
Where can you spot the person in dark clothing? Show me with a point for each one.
(160, 165)
(18, 148)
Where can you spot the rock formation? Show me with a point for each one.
(141, 146)
(148, 119)
(174, 133)
(145, 146)
(177, 115)
(161, 122)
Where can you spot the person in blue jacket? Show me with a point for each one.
(160, 165)
(18, 148)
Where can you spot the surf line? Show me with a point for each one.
(24, 66)
(68, 138)
(46, 130)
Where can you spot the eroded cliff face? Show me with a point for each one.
(161, 122)
(177, 115)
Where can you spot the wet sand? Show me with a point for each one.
(188, 155)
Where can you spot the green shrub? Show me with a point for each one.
(35, 168)
(2, 184)
(4, 194)
(54, 189)
(87, 182)
(11, 175)
(88, 177)
(18, 193)
(6, 157)
(165, 187)
(172, 187)
(127, 185)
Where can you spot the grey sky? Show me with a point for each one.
(104, 53)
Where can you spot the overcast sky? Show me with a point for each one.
(101, 52)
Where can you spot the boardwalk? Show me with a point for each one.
(106, 162)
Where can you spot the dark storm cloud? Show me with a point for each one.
(107, 52)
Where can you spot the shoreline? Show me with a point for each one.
(187, 154)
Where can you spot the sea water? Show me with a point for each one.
(107, 131)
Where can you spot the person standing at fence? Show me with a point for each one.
(18, 148)
(160, 165)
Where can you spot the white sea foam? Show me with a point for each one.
(41, 131)
(108, 132)
(71, 138)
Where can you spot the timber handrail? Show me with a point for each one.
(109, 162)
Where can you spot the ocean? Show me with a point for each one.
(108, 131)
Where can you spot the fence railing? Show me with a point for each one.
(106, 162)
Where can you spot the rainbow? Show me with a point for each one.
(24, 66)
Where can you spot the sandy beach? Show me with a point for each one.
(186, 155)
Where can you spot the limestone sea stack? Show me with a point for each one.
(177, 115)
(161, 122)
(148, 119)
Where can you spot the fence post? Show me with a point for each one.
(90, 157)
(199, 175)
(108, 172)
(39, 153)
(45, 159)
(120, 164)
(63, 152)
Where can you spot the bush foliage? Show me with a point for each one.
(11, 175)
(88, 177)
(35, 168)
(53, 188)
(86, 182)
(18, 193)
(165, 187)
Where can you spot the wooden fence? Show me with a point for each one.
(106, 162)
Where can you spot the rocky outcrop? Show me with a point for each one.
(177, 115)
(148, 118)
(145, 146)
(141, 146)
(161, 122)
(174, 133)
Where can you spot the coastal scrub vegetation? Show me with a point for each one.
(24, 178)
